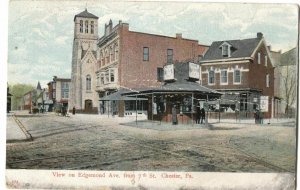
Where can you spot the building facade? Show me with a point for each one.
(122, 59)
(83, 76)
(244, 72)
(58, 92)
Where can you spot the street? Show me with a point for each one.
(92, 142)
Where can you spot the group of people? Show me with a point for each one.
(200, 115)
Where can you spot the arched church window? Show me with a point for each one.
(92, 27)
(88, 82)
(81, 26)
(86, 26)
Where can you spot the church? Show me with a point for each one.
(120, 59)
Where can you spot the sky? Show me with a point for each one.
(40, 33)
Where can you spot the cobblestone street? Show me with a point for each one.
(91, 142)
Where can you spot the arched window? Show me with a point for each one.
(86, 26)
(92, 27)
(81, 26)
(88, 82)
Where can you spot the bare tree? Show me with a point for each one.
(288, 75)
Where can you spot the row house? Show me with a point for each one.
(58, 92)
(243, 71)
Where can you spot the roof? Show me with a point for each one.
(39, 86)
(177, 87)
(289, 57)
(239, 49)
(118, 96)
(86, 14)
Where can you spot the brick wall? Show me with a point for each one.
(136, 73)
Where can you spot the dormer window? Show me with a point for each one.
(226, 49)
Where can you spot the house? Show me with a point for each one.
(58, 92)
(243, 71)
(120, 58)
(33, 100)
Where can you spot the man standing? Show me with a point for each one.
(202, 113)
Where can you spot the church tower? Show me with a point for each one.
(84, 59)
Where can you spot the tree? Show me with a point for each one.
(288, 74)
(18, 90)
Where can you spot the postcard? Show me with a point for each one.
(151, 95)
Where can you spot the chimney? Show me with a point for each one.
(260, 35)
(179, 35)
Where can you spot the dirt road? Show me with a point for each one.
(89, 142)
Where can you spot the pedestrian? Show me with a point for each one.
(202, 113)
(174, 115)
(74, 110)
(198, 115)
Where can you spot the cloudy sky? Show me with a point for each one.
(40, 33)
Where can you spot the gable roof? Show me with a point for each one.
(85, 14)
(239, 49)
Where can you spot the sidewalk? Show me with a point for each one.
(13, 131)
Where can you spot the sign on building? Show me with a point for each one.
(264, 102)
(194, 70)
(169, 72)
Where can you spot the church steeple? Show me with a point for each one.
(86, 25)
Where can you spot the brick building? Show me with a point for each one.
(121, 59)
(129, 59)
(58, 92)
(244, 72)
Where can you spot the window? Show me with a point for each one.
(116, 51)
(102, 78)
(81, 26)
(65, 94)
(111, 54)
(98, 80)
(224, 77)
(146, 54)
(86, 26)
(237, 76)
(258, 58)
(170, 56)
(267, 80)
(225, 50)
(92, 27)
(211, 77)
(112, 75)
(107, 76)
(266, 60)
(88, 83)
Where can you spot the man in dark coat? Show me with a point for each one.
(202, 113)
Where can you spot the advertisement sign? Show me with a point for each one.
(264, 102)
(194, 70)
(169, 72)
